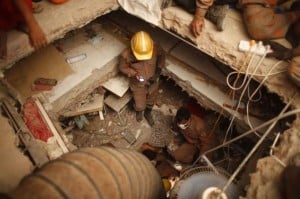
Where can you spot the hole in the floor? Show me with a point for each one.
(205, 83)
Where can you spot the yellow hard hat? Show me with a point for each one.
(142, 45)
(167, 184)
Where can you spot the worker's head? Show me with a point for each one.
(142, 45)
(182, 118)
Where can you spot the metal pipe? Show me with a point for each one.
(271, 151)
(210, 164)
(260, 141)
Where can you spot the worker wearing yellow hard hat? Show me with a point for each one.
(142, 63)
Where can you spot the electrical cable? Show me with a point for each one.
(245, 88)
(230, 92)
(233, 87)
(257, 145)
(287, 114)
(257, 89)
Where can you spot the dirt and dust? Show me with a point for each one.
(170, 98)
(14, 164)
(110, 130)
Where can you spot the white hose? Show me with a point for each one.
(245, 88)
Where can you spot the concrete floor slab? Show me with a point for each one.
(97, 56)
(198, 61)
(117, 85)
(56, 21)
(133, 24)
(45, 63)
(117, 103)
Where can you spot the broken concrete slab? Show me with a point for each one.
(223, 47)
(165, 39)
(198, 61)
(35, 148)
(265, 181)
(99, 65)
(117, 85)
(93, 106)
(56, 21)
(117, 103)
(220, 45)
(45, 63)
(207, 94)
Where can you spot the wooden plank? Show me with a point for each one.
(117, 103)
(36, 151)
(117, 85)
(96, 105)
(51, 126)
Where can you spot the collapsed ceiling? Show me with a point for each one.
(188, 75)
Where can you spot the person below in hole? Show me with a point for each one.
(197, 136)
(142, 63)
(213, 11)
(16, 14)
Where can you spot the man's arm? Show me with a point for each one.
(36, 34)
(160, 63)
(198, 22)
(124, 64)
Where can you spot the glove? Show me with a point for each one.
(279, 51)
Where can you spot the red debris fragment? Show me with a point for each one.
(34, 121)
(41, 87)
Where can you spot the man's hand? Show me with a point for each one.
(35, 32)
(37, 36)
(197, 25)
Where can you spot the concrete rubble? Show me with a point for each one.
(199, 79)
(223, 46)
(14, 164)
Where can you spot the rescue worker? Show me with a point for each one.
(262, 21)
(204, 8)
(142, 63)
(14, 13)
(196, 133)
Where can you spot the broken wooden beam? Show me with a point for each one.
(37, 153)
(94, 106)
(51, 126)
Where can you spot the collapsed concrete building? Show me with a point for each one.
(199, 66)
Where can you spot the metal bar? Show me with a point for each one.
(255, 147)
(271, 151)
(248, 132)
(210, 164)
